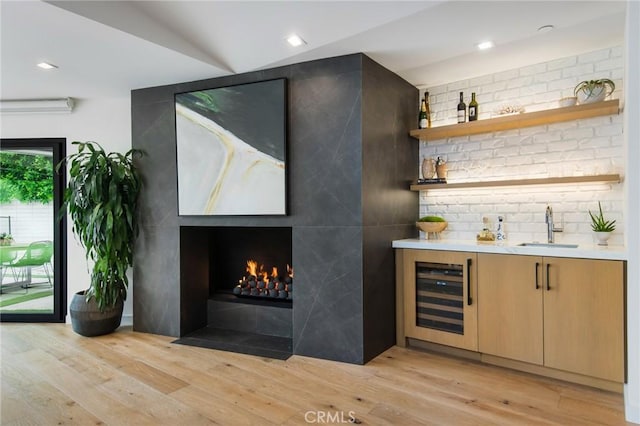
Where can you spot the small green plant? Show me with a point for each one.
(598, 222)
(431, 219)
(594, 87)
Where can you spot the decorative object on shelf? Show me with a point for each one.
(432, 226)
(6, 239)
(426, 101)
(590, 91)
(462, 110)
(509, 109)
(485, 234)
(602, 227)
(441, 168)
(473, 107)
(422, 115)
(101, 199)
(428, 168)
(567, 102)
(432, 181)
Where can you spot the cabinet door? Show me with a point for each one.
(440, 303)
(584, 317)
(510, 306)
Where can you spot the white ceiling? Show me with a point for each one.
(108, 48)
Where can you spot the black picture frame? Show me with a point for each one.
(231, 145)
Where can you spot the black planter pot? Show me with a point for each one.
(87, 320)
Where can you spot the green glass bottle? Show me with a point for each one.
(473, 108)
(422, 117)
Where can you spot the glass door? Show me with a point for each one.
(32, 237)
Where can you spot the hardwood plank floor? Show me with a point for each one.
(52, 376)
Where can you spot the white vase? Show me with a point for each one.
(602, 238)
(596, 95)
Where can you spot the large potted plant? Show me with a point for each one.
(101, 199)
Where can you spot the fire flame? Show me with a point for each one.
(290, 271)
(252, 268)
(274, 272)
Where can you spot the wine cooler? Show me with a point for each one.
(439, 297)
(439, 292)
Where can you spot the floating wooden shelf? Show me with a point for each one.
(614, 178)
(518, 121)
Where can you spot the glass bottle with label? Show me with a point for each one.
(426, 101)
(473, 108)
(422, 116)
(462, 110)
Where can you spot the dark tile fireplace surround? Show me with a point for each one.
(350, 161)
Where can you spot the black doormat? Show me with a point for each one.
(239, 342)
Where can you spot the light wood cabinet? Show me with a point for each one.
(510, 311)
(439, 294)
(566, 314)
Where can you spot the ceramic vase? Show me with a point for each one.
(602, 238)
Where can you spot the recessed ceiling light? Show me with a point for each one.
(545, 29)
(295, 40)
(47, 66)
(485, 45)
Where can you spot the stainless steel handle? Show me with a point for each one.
(469, 299)
(537, 275)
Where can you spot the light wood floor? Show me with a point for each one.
(51, 376)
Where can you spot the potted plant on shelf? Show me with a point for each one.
(589, 91)
(101, 199)
(603, 228)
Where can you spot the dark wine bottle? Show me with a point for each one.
(462, 110)
(473, 107)
(422, 117)
(426, 101)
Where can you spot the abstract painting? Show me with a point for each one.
(231, 150)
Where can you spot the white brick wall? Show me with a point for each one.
(575, 148)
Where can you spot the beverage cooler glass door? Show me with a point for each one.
(440, 293)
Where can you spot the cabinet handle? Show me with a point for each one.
(537, 277)
(548, 283)
(469, 299)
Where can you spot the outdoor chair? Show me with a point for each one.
(8, 255)
(37, 255)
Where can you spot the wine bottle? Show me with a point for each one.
(422, 117)
(473, 108)
(462, 110)
(426, 101)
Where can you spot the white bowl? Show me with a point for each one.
(567, 102)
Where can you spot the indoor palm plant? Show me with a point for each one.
(602, 227)
(101, 199)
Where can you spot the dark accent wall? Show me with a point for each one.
(350, 161)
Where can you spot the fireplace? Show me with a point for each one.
(250, 263)
(256, 319)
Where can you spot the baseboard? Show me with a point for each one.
(631, 409)
(517, 365)
(127, 320)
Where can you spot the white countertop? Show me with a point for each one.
(583, 251)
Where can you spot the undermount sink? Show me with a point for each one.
(556, 245)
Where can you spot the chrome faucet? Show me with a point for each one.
(548, 218)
